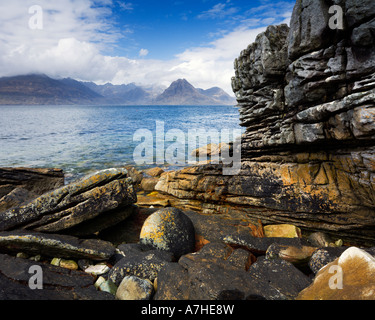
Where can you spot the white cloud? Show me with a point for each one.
(125, 6)
(76, 31)
(143, 52)
(218, 11)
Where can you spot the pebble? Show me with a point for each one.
(98, 269)
(134, 288)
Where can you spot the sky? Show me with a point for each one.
(147, 42)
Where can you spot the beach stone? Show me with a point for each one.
(279, 275)
(349, 277)
(54, 245)
(148, 184)
(56, 262)
(142, 264)
(134, 288)
(22, 255)
(154, 172)
(97, 269)
(260, 245)
(169, 229)
(68, 264)
(320, 239)
(323, 256)
(71, 206)
(172, 283)
(298, 255)
(105, 285)
(99, 281)
(282, 231)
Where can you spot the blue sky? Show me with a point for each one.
(168, 27)
(141, 41)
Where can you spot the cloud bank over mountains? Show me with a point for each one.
(81, 39)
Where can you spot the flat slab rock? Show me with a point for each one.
(19, 185)
(74, 204)
(56, 283)
(53, 245)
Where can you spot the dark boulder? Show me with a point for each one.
(142, 264)
(169, 229)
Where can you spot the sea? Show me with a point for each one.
(84, 139)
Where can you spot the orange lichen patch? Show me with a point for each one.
(257, 231)
(251, 260)
(157, 226)
(200, 242)
(315, 181)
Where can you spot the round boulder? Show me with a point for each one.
(169, 229)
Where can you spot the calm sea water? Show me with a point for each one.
(81, 139)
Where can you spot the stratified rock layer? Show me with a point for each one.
(19, 185)
(77, 208)
(306, 96)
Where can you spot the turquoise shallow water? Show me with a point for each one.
(81, 139)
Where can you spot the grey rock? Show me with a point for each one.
(169, 229)
(260, 245)
(74, 204)
(134, 288)
(54, 245)
(285, 280)
(145, 265)
(323, 256)
(20, 185)
(309, 27)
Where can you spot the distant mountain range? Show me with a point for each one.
(36, 89)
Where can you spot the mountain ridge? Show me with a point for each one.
(39, 89)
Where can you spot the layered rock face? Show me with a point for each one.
(306, 95)
(89, 205)
(19, 185)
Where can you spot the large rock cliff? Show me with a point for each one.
(306, 96)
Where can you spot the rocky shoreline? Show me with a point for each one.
(170, 254)
(297, 222)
